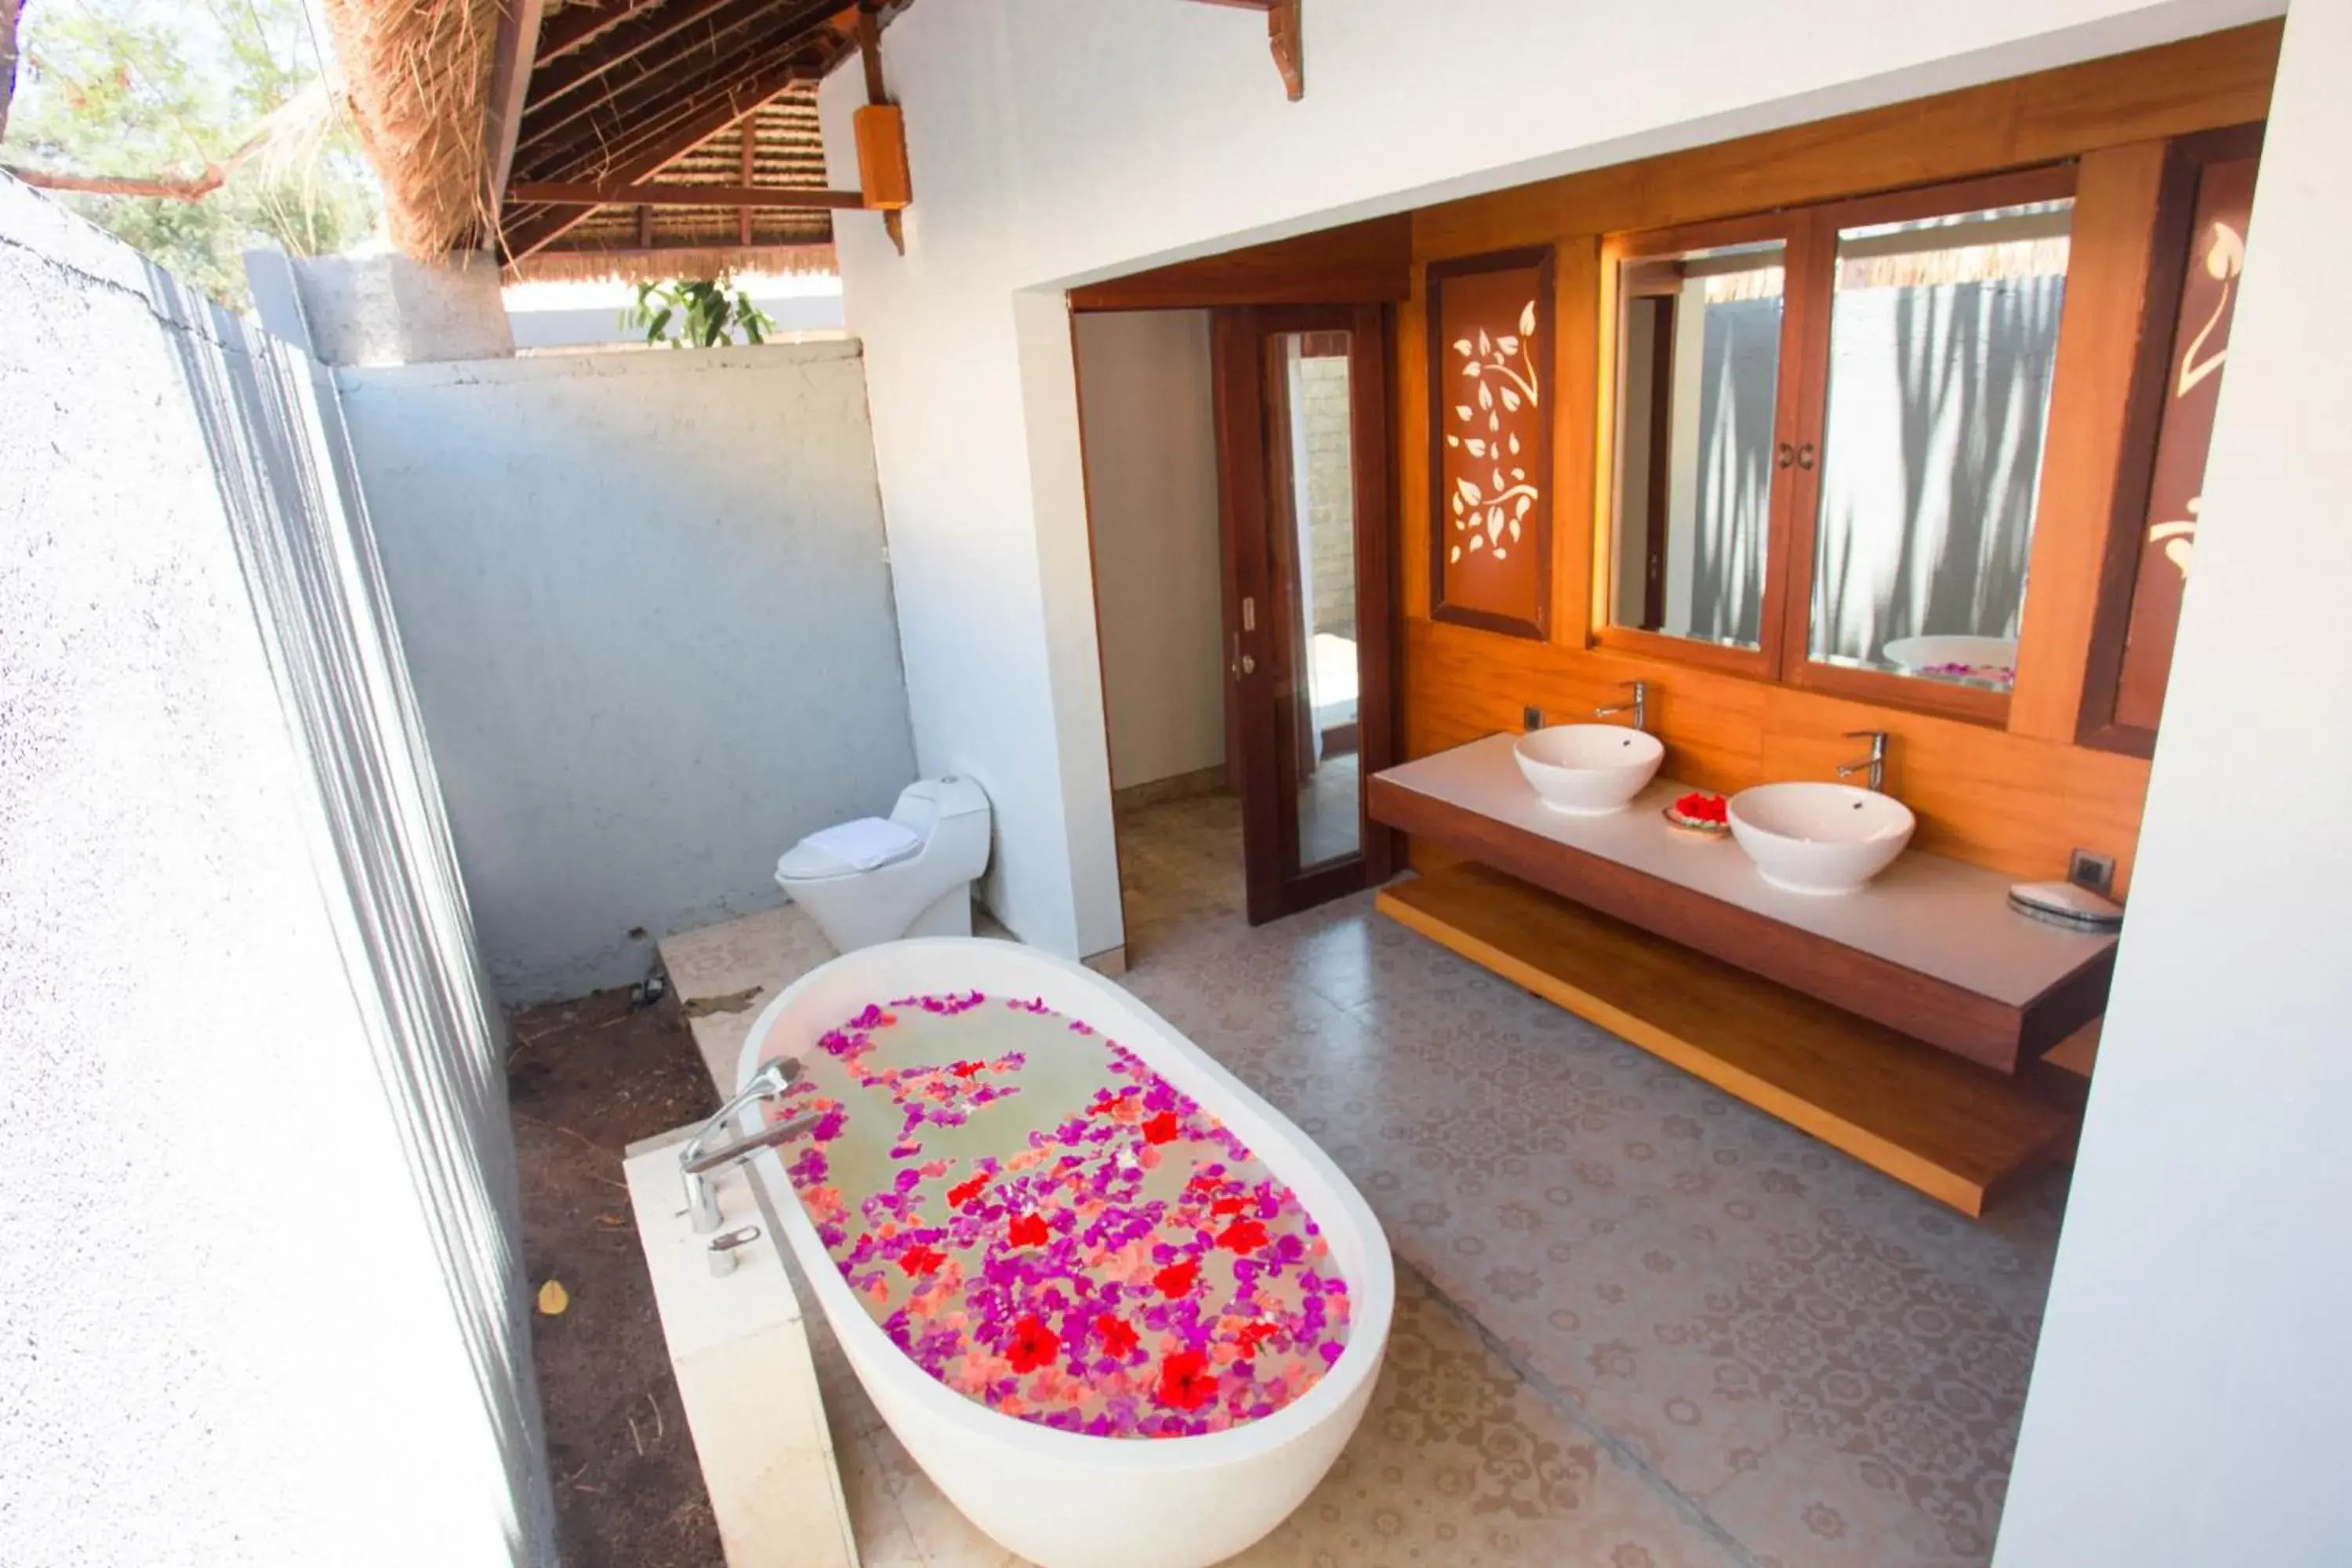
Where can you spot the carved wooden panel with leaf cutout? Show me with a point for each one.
(1490, 396)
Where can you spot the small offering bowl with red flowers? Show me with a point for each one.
(1699, 814)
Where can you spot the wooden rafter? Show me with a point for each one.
(634, 39)
(694, 123)
(579, 25)
(601, 124)
(557, 192)
(517, 45)
(725, 38)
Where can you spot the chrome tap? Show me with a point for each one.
(1639, 706)
(696, 1163)
(1874, 763)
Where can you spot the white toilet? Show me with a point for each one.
(910, 874)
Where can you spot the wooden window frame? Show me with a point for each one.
(2186, 161)
(1810, 236)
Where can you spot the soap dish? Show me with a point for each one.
(1698, 815)
(2065, 904)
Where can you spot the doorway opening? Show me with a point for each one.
(1237, 477)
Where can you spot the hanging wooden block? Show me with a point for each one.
(882, 172)
(1490, 412)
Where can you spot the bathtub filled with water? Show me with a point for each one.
(1118, 1308)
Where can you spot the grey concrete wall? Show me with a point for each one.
(384, 309)
(262, 1299)
(646, 602)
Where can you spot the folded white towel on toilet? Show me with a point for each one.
(868, 842)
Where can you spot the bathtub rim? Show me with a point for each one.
(1371, 1285)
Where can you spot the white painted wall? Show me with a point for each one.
(583, 314)
(2188, 1405)
(1152, 481)
(262, 1295)
(1060, 140)
(646, 605)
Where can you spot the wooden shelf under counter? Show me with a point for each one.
(1929, 949)
(1953, 1130)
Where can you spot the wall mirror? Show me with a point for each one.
(1942, 331)
(1699, 381)
(1826, 430)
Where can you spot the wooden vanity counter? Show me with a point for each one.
(1846, 1016)
(1930, 947)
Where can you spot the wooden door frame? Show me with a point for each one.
(1244, 471)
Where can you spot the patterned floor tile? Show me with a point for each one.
(1640, 1323)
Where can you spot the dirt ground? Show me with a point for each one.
(587, 1078)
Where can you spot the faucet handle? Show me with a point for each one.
(1865, 734)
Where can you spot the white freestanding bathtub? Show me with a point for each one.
(1060, 1498)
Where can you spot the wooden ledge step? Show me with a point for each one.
(1953, 1130)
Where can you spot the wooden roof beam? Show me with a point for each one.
(644, 32)
(607, 121)
(574, 194)
(1283, 37)
(580, 24)
(517, 45)
(695, 124)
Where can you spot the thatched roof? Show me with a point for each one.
(419, 73)
(617, 94)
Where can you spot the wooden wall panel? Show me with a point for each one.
(2198, 84)
(2014, 801)
(1368, 263)
(1982, 796)
(1491, 388)
(2117, 194)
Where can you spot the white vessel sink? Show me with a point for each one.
(1819, 837)
(1589, 770)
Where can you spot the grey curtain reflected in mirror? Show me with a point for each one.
(1698, 385)
(1941, 345)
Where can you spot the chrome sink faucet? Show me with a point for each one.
(1874, 763)
(697, 1161)
(1639, 706)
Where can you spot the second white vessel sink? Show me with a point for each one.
(1819, 837)
(1589, 770)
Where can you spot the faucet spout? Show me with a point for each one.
(1873, 764)
(697, 1161)
(1639, 708)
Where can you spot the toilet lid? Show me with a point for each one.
(849, 848)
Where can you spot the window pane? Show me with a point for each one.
(1698, 368)
(1941, 341)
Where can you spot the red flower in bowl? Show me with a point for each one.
(1700, 806)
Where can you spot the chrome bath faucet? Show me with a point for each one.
(1639, 708)
(1874, 763)
(697, 1163)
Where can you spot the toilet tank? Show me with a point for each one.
(928, 802)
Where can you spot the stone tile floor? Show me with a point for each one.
(1639, 1324)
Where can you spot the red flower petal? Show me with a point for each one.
(1243, 1236)
(1029, 1231)
(1161, 1129)
(1176, 1279)
(965, 1192)
(1119, 1340)
(1185, 1381)
(921, 1260)
(1034, 1344)
(1225, 1207)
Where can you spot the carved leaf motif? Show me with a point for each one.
(1453, 440)
(1527, 319)
(1509, 346)
(1462, 346)
(1485, 395)
(1510, 400)
(1477, 445)
(1477, 542)
(1469, 488)
(1461, 412)
(1452, 556)
(1486, 343)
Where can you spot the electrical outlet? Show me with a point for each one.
(1532, 718)
(2087, 868)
